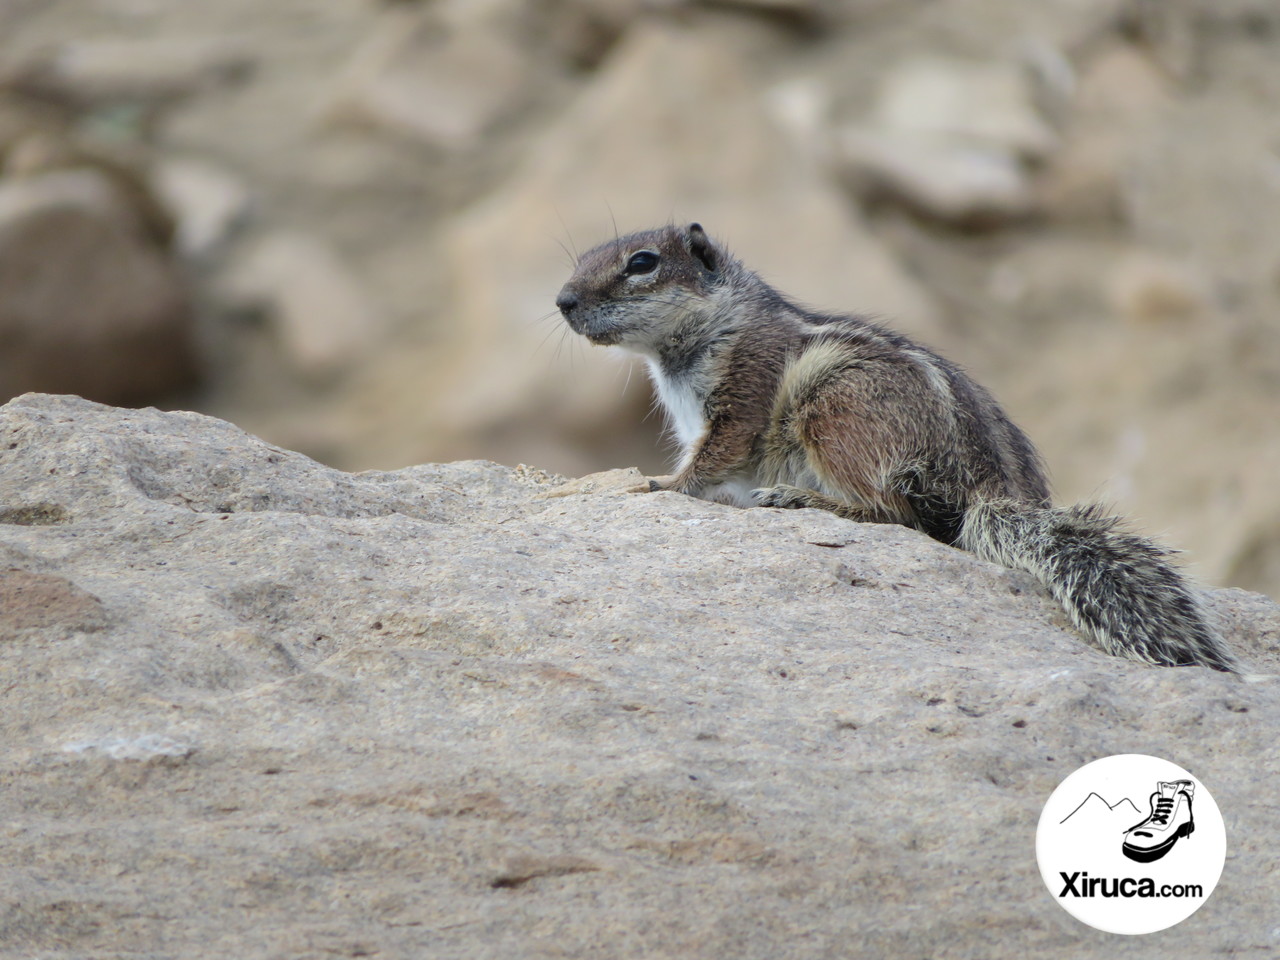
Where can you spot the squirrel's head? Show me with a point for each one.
(635, 291)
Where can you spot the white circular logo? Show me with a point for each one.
(1131, 844)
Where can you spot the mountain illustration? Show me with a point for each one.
(1095, 811)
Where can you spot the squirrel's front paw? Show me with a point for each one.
(782, 496)
(661, 483)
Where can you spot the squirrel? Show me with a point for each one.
(774, 405)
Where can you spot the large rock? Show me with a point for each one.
(256, 707)
(426, 78)
(1119, 99)
(324, 317)
(89, 302)
(951, 139)
(148, 70)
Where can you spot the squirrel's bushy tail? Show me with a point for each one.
(1118, 588)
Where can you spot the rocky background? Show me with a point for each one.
(341, 223)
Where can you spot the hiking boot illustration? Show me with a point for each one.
(1170, 819)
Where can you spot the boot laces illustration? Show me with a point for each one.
(1170, 819)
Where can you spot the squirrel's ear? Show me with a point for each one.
(700, 246)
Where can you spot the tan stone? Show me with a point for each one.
(207, 201)
(967, 184)
(325, 318)
(90, 71)
(1147, 288)
(988, 103)
(584, 31)
(951, 139)
(1120, 97)
(439, 83)
(88, 303)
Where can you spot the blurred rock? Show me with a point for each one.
(965, 184)
(86, 73)
(206, 200)
(801, 106)
(584, 31)
(805, 10)
(433, 713)
(1147, 288)
(1142, 392)
(88, 190)
(427, 80)
(88, 303)
(1048, 275)
(325, 318)
(1119, 100)
(952, 139)
(671, 128)
(127, 171)
(1205, 183)
(1173, 31)
(20, 118)
(1256, 562)
(959, 101)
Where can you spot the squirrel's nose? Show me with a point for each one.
(567, 301)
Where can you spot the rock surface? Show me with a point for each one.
(258, 707)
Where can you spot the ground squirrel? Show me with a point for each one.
(774, 405)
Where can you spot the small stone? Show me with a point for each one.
(629, 480)
(147, 747)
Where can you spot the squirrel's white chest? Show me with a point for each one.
(683, 403)
(684, 399)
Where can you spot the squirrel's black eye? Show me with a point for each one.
(642, 262)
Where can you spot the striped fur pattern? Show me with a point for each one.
(775, 405)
